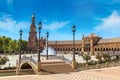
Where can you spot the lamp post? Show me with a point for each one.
(18, 62)
(47, 35)
(39, 28)
(73, 61)
(20, 46)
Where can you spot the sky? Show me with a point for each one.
(101, 17)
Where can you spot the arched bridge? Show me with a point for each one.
(49, 66)
(30, 61)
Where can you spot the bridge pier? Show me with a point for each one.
(38, 67)
(74, 64)
(17, 67)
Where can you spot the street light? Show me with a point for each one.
(18, 62)
(20, 46)
(39, 28)
(47, 35)
(39, 63)
(73, 62)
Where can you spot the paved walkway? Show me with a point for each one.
(112, 73)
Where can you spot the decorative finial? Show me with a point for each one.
(33, 15)
(33, 19)
(82, 35)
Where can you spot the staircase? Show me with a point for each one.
(55, 67)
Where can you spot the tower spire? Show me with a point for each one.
(83, 36)
(33, 19)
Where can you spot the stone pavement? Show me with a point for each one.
(112, 73)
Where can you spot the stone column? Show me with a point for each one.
(38, 67)
(17, 67)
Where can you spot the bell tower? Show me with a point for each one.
(32, 40)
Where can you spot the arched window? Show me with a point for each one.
(112, 49)
(103, 49)
(66, 49)
(109, 49)
(106, 49)
(95, 49)
(115, 49)
(98, 49)
(118, 49)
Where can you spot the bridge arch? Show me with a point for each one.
(30, 63)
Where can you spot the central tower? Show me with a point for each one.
(32, 40)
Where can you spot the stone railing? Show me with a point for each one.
(24, 58)
(97, 66)
(68, 61)
(63, 58)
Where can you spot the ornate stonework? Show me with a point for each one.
(91, 43)
(32, 40)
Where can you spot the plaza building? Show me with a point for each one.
(91, 43)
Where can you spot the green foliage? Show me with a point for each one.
(92, 62)
(9, 46)
(99, 57)
(106, 56)
(24, 45)
(86, 57)
(3, 60)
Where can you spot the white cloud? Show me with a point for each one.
(9, 1)
(109, 26)
(115, 1)
(54, 25)
(9, 24)
(10, 27)
(10, 5)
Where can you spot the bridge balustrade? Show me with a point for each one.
(29, 59)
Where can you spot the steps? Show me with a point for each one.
(56, 67)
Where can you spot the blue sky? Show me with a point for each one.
(101, 17)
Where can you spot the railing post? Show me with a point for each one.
(17, 67)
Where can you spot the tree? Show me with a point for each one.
(86, 57)
(16, 46)
(106, 56)
(23, 45)
(6, 41)
(99, 57)
(11, 46)
(1, 44)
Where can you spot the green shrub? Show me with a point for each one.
(92, 62)
(86, 57)
(3, 60)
